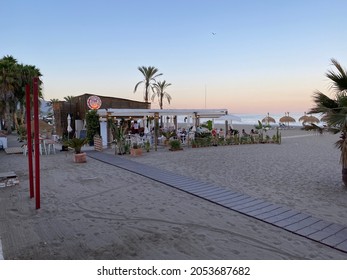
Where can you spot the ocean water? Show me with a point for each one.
(252, 119)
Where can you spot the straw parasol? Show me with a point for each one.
(308, 119)
(268, 119)
(303, 118)
(312, 119)
(43, 127)
(287, 119)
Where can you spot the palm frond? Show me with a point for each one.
(135, 89)
(323, 103)
(339, 78)
(69, 98)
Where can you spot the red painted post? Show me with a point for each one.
(29, 141)
(37, 141)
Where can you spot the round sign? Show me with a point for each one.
(94, 102)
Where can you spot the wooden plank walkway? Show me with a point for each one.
(14, 150)
(324, 232)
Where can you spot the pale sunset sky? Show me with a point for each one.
(246, 56)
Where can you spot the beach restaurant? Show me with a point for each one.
(168, 116)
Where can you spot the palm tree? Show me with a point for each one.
(159, 90)
(9, 80)
(27, 73)
(50, 104)
(52, 101)
(149, 74)
(13, 78)
(69, 99)
(334, 110)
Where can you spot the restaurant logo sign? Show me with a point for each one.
(94, 102)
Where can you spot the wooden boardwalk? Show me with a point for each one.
(324, 232)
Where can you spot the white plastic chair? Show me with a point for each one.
(25, 149)
(49, 145)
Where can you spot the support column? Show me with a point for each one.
(103, 132)
(156, 130)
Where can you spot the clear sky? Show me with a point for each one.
(265, 55)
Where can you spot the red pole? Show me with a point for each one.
(37, 141)
(29, 141)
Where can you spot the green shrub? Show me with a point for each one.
(175, 145)
(93, 125)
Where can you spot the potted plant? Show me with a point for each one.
(77, 144)
(334, 111)
(136, 150)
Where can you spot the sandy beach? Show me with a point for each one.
(97, 211)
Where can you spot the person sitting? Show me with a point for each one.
(183, 135)
(244, 134)
(135, 127)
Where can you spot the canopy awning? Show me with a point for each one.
(201, 113)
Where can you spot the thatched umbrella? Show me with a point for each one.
(303, 118)
(287, 119)
(312, 119)
(268, 119)
(308, 119)
(43, 127)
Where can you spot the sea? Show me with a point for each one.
(252, 119)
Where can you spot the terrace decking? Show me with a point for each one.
(324, 232)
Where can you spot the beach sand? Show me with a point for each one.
(97, 211)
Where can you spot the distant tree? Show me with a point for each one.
(159, 91)
(51, 102)
(69, 98)
(149, 74)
